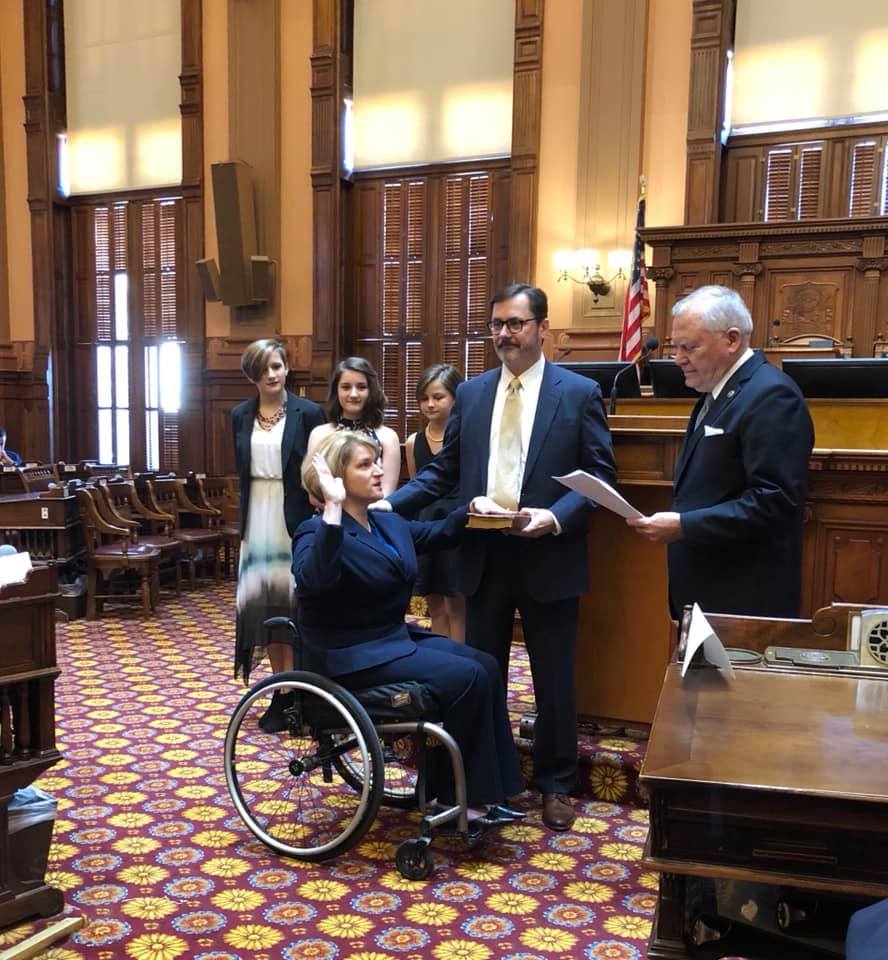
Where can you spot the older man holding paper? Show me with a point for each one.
(734, 534)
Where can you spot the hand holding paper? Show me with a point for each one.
(599, 491)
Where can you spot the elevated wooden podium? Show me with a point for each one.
(625, 632)
(27, 731)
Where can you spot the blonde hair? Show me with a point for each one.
(257, 356)
(337, 449)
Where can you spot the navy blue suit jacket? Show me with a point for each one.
(354, 591)
(569, 432)
(302, 417)
(741, 494)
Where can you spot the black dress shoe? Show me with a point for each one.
(273, 720)
(501, 814)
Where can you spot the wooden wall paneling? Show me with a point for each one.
(742, 185)
(845, 551)
(526, 114)
(711, 37)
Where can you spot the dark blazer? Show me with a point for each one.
(302, 417)
(741, 495)
(354, 591)
(569, 432)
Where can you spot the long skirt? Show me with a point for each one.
(265, 585)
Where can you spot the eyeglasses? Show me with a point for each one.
(514, 324)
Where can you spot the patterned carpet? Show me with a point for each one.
(149, 849)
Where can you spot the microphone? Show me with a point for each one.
(650, 345)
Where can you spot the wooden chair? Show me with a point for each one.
(120, 506)
(167, 495)
(119, 554)
(38, 476)
(216, 493)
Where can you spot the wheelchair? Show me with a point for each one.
(312, 791)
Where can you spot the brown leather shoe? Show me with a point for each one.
(558, 814)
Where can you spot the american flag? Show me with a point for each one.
(638, 305)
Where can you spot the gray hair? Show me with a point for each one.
(720, 308)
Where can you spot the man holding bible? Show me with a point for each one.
(511, 430)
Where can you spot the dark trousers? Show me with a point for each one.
(467, 685)
(550, 636)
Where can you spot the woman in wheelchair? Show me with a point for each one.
(354, 574)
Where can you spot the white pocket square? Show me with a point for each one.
(712, 431)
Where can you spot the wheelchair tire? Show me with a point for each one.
(414, 860)
(398, 781)
(286, 786)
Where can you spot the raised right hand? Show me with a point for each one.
(332, 487)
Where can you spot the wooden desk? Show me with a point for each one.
(27, 725)
(773, 777)
(47, 527)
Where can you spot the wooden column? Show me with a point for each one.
(712, 36)
(330, 79)
(526, 111)
(661, 275)
(49, 425)
(871, 265)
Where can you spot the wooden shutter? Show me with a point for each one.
(102, 240)
(778, 175)
(862, 189)
(883, 206)
(810, 166)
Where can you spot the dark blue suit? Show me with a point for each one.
(354, 587)
(541, 578)
(741, 494)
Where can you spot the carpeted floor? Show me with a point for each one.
(149, 849)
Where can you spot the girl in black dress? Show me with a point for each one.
(438, 576)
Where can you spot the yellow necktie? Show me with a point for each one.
(507, 482)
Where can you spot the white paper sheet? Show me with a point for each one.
(700, 632)
(599, 491)
(14, 568)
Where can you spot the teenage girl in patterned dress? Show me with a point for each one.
(355, 401)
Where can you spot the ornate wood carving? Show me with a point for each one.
(711, 36)
(826, 277)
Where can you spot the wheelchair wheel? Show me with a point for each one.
(286, 786)
(399, 771)
(414, 859)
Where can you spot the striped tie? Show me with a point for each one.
(507, 480)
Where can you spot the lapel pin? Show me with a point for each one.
(730, 394)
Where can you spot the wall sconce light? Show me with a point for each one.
(582, 266)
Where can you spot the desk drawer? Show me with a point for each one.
(785, 835)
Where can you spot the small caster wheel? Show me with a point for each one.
(414, 860)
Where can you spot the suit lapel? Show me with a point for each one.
(478, 423)
(729, 393)
(292, 425)
(245, 430)
(354, 529)
(547, 405)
